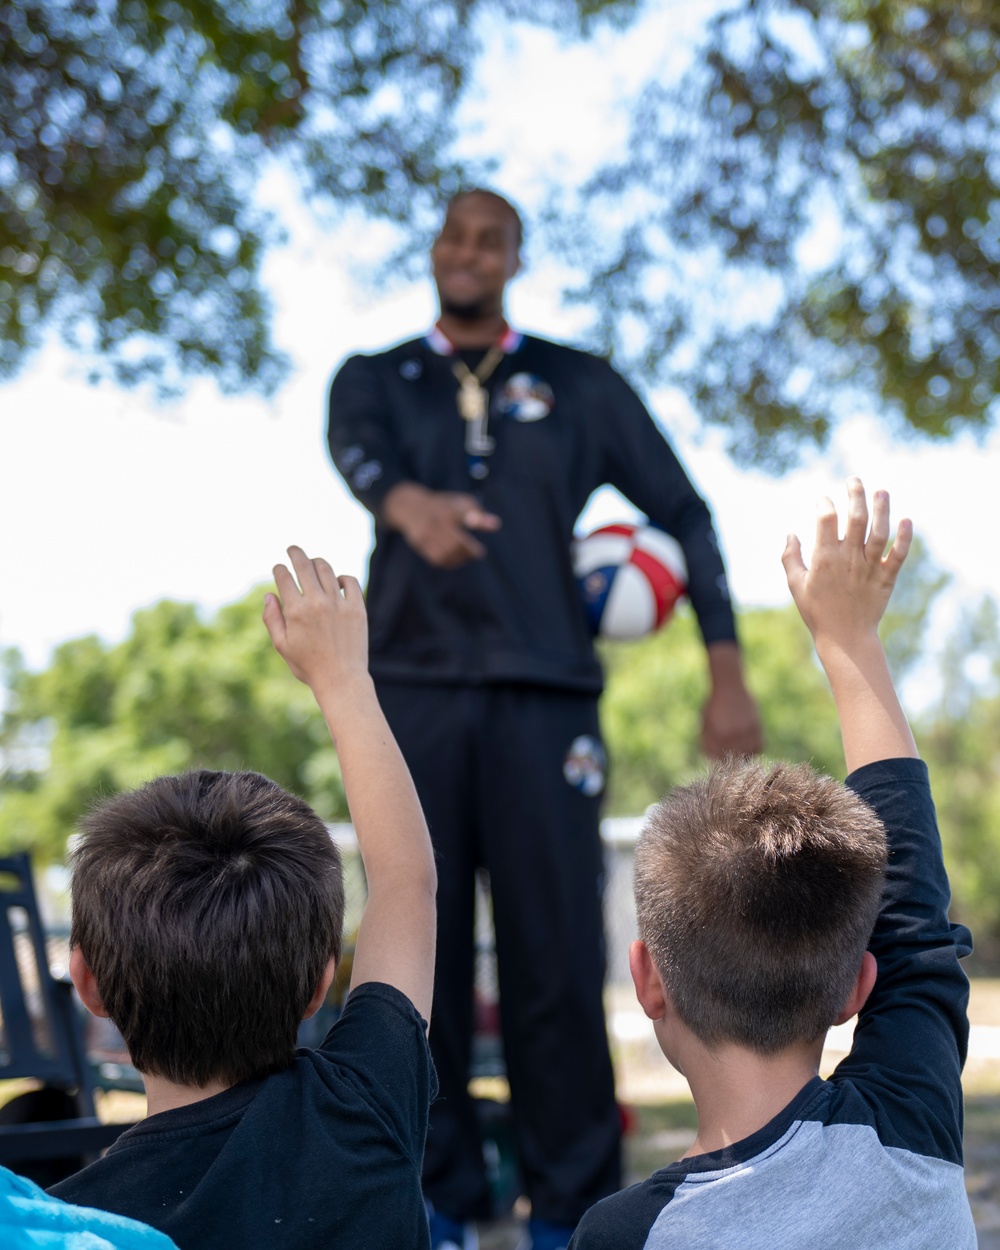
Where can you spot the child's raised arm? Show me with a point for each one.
(321, 632)
(841, 598)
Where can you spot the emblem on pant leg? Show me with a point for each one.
(585, 764)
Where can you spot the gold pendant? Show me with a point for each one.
(472, 400)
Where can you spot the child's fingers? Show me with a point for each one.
(285, 582)
(274, 619)
(351, 587)
(879, 534)
(304, 569)
(791, 557)
(893, 561)
(325, 574)
(826, 522)
(857, 513)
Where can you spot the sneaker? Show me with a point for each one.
(545, 1236)
(449, 1234)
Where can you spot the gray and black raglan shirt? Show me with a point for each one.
(872, 1157)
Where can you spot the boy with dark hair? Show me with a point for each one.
(207, 918)
(757, 893)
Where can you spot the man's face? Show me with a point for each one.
(475, 256)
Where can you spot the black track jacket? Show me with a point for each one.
(516, 615)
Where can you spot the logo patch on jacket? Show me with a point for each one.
(525, 397)
(584, 765)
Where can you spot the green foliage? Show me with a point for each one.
(186, 691)
(179, 692)
(807, 221)
(964, 757)
(131, 135)
(656, 687)
(811, 219)
(960, 738)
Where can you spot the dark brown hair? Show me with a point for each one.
(756, 893)
(207, 906)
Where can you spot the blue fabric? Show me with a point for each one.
(29, 1218)
(547, 1236)
(445, 1232)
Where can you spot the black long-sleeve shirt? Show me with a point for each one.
(515, 615)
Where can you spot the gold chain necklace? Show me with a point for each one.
(472, 395)
(474, 400)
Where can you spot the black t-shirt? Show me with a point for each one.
(326, 1153)
(563, 423)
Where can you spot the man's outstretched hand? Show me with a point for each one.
(437, 524)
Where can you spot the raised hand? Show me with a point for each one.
(319, 626)
(844, 592)
(320, 629)
(841, 597)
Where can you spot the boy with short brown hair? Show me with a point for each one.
(757, 892)
(207, 916)
(758, 889)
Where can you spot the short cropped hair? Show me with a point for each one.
(757, 891)
(207, 906)
(500, 199)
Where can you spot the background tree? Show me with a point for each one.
(655, 688)
(132, 134)
(179, 692)
(186, 690)
(810, 221)
(960, 737)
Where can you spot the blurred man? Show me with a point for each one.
(476, 448)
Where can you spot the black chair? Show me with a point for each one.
(47, 1133)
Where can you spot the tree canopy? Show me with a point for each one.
(181, 691)
(808, 221)
(131, 134)
(651, 710)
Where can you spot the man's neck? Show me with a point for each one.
(736, 1091)
(164, 1095)
(470, 334)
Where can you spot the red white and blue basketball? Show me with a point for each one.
(630, 578)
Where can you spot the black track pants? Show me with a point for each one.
(488, 763)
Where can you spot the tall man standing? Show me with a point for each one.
(476, 448)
